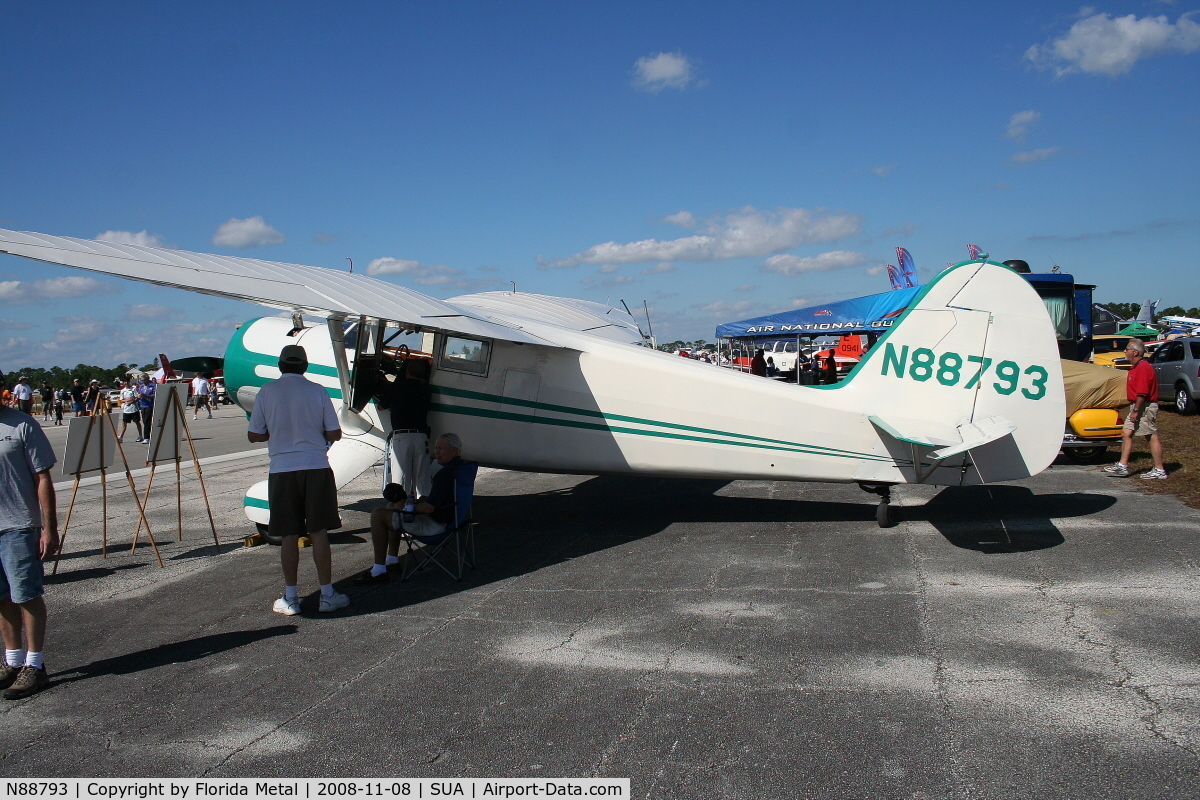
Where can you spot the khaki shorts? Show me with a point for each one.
(1147, 421)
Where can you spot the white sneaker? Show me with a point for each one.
(334, 601)
(194, 418)
(289, 607)
(1154, 474)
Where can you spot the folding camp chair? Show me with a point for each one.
(455, 547)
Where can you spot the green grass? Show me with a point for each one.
(1181, 455)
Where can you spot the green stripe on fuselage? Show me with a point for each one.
(489, 413)
(746, 439)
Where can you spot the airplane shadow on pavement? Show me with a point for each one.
(173, 653)
(1003, 519)
(519, 534)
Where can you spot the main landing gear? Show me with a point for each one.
(885, 515)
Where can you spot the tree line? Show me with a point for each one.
(60, 378)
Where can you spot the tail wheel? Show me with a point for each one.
(885, 515)
(1184, 403)
(1086, 455)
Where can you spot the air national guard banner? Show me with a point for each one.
(875, 312)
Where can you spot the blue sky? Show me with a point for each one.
(718, 160)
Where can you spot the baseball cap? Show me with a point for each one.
(293, 354)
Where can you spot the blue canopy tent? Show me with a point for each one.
(874, 313)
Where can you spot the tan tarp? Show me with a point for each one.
(1092, 386)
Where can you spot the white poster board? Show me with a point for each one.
(166, 422)
(86, 453)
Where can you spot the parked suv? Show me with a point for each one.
(1177, 365)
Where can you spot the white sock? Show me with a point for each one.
(327, 590)
(377, 570)
(392, 560)
(15, 658)
(33, 660)
(291, 593)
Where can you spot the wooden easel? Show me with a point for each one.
(100, 415)
(175, 413)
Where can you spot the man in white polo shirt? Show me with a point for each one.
(200, 395)
(296, 419)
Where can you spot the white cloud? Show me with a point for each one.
(1103, 45)
(1028, 156)
(1021, 123)
(878, 269)
(607, 268)
(834, 259)
(684, 219)
(13, 325)
(746, 287)
(320, 237)
(141, 238)
(393, 266)
(250, 232)
(746, 232)
(883, 171)
(662, 71)
(21, 292)
(424, 274)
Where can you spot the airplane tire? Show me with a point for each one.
(885, 516)
(266, 536)
(1086, 455)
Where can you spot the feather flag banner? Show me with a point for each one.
(908, 269)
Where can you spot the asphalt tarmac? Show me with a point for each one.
(704, 639)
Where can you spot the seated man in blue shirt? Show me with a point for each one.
(433, 513)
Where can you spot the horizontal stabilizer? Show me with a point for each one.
(952, 441)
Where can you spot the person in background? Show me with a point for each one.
(129, 411)
(145, 393)
(23, 395)
(47, 401)
(772, 371)
(831, 372)
(1141, 388)
(758, 364)
(77, 393)
(61, 398)
(91, 398)
(200, 395)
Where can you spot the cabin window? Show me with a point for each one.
(460, 354)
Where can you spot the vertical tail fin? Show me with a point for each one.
(165, 363)
(968, 380)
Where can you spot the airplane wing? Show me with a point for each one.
(578, 315)
(315, 291)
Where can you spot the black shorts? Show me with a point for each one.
(132, 416)
(303, 501)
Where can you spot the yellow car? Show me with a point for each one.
(1109, 351)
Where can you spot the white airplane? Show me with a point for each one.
(966, 388)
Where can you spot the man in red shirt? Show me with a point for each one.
(1142, 390)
